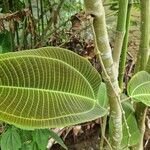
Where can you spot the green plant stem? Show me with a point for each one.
(49, 23)
(17, 33)
(148, 65)
(38, 16)
(42, 16)
(95, 8)
(141, 64)
(121, 27)
(103, 138)
(60, 5)
(24, 34)
(12, 36)
(103, 129)
(122, 63)
(141, 111)
(31, 18)
(145, 36)
(42, 42)
(30, 6)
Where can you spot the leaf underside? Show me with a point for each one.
(47, 87)
(139, 87)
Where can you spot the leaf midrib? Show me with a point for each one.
(48, 90)
(138, 87)
(134, 96)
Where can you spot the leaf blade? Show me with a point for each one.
(74, 60)
(10, 140)
(42, 92)
(139, 87)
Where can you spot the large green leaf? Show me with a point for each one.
(139, 87)
(48, 87)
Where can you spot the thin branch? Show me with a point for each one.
(124, 48)
(121, 28)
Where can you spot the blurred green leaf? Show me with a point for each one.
(10, 140)
(26, 146)
(25, 135)
(57, 139)
(33, 146)
(41, 136)
(5, 41)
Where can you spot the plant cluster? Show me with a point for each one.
(53, 87)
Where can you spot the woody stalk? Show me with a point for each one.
(104, 54)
